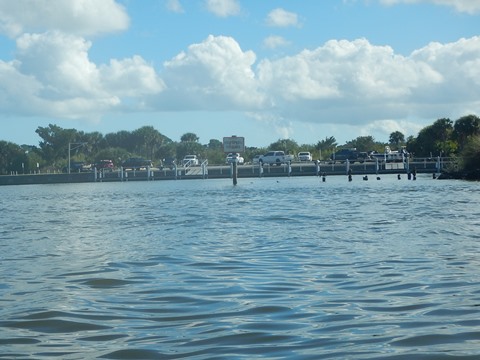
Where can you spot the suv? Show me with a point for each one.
(190, 160)
(304, 156)
(345, 154)
(136, 163)
(105, 164)
(78, 166)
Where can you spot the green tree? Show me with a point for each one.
(189, 137)
(363, 143)
(471, 154)
(433, 140)
(189, 145)
(326, 147)
(250, 152)
(13, 158)
(327, 144)
(396, 139)
(214, 152)
(148, 141)
(464, 128)
(94, 142)
(55, 143)
(287, 145)
(215, 144)
(168, 150)
(121, 139)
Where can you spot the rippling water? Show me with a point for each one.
(272, 268)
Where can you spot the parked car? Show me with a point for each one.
(78, 166)
(190, 160)
(136, 163)
(364, 156)
(304, 156)
(256, 159)
(235, 157)
(105, 165)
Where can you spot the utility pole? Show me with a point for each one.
(75, 146)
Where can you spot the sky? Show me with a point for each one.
(265, 70)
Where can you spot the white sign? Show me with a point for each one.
(234, 144)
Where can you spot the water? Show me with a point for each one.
(286, 268)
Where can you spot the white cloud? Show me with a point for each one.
(52, 75)
(223, 8)
(340, 82)
(342, 70)
(174, 6)
(281, 18)
(467, 6)
(386, 127)
(131, 78)
(355, 82)
(58, 61)
(273, 42)
(215, 74)
(82, 17)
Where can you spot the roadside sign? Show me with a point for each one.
(234, 144)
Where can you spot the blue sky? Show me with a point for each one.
(265, 70)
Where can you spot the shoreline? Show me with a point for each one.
(225, 172)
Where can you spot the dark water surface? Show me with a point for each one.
(272, 268)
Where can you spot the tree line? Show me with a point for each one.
(446, 138)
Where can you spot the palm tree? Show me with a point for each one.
(396, 138)
(189, 137)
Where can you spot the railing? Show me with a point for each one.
(190, 168)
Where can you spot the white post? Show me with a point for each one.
(204, 170)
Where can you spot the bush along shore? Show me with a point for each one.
(470, 175)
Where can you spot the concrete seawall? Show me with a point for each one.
(218, 172)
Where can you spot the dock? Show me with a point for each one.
(226, 171)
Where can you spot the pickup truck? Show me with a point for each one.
(275, 158)
(352, 155)
(190, 160)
